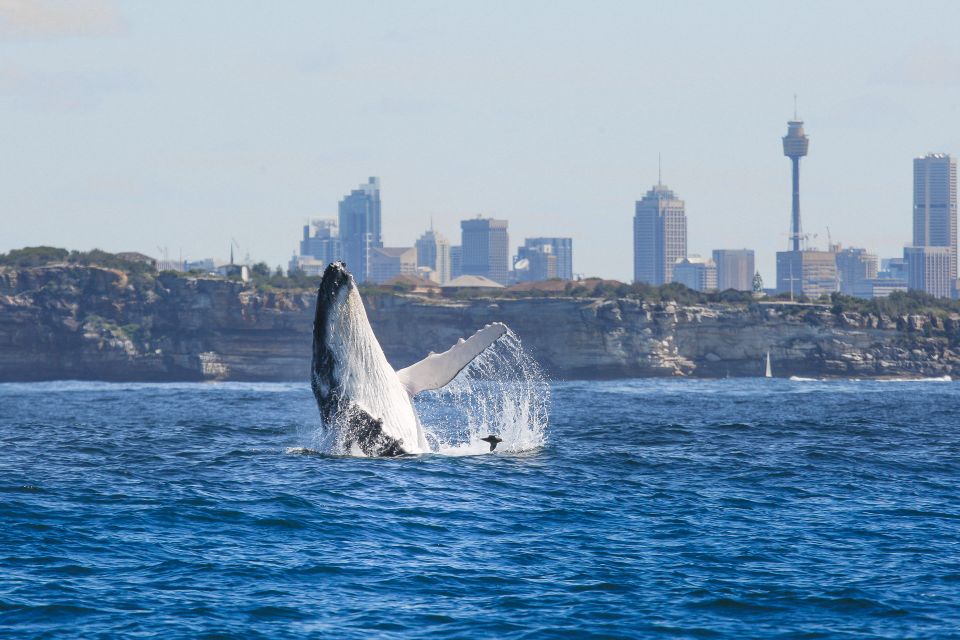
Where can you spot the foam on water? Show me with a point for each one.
(503, 392)
(937, 379)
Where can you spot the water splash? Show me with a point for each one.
(503, 392)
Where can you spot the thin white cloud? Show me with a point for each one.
(933, 65)
(67, 89)
(45, 18)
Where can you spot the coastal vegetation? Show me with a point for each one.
(142, 272)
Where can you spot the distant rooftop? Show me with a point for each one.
(413, 281)
(472, 282)
(393, 252)
(661, 191)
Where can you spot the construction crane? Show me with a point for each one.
(805, 237)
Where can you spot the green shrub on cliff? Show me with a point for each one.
(898, 303)
(266, 282)
(33, 256)
(42, 256)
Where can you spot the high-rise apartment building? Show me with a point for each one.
(659, 235)
(360, 227)
(735, 269)
(433, 252)
(486, 248)
(934, 223)
(560, 248)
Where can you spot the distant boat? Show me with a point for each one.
(769, 373)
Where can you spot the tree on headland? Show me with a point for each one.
(33, 256)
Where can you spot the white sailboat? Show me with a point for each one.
(769, 373)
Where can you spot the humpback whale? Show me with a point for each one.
(368, 404)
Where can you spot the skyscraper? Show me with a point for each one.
(659, 235)
(934, 219)
(433, 251)
(561, 248)
(735, 269)
(360, 227)
(486, 248)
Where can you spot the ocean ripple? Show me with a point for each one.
(660, 508)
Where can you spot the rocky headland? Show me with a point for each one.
(69, 321)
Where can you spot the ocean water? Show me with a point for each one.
(654, 508)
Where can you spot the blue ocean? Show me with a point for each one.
(651, 508)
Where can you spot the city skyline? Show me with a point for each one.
(228, 138)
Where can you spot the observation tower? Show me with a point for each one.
(795, 145)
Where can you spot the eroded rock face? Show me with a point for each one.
(65, 322)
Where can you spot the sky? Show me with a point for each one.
(179, 126)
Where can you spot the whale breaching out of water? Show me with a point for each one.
(360, 396)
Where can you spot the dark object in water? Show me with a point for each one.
(493, 440)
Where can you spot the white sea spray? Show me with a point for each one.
(503, 392)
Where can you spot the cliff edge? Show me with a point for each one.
(69, 321)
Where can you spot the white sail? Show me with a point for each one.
(769, 373)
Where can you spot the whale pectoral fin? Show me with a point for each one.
(438, 369)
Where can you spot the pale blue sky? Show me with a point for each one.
(132, 125)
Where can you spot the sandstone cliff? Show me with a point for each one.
(73, 322)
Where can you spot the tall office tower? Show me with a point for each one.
(433, 252)
(456, 261)
(486, 248)
(795, 145)
(659, 235)
(735, 269)
(360, 227)
(321, 241)
(855, 267)
(696, 273)
(935, 209)
(561, 248)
